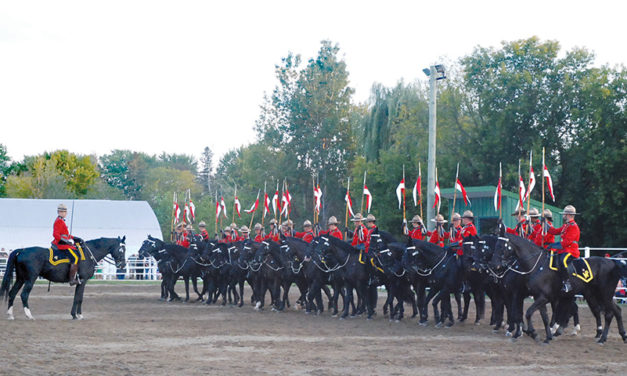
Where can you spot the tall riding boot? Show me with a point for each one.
(73, 271)
(563, 271)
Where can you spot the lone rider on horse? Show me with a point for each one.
(64, 241)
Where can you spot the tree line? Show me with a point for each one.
(496, 105)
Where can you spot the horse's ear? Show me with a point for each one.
(501, 228)
(124, 239)
(150, 237)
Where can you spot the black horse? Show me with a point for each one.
(388, 254)
(334, 256)
(269, 268)
(545, 284)
(439, 266)
(33, 262)
(164, 262)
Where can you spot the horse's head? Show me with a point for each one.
(260, 254)
(246, 254)
(483, 250)
(150, 247)
(503, 254)
(119, 253)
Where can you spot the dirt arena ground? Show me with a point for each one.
(128, 331)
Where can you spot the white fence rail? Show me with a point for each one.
(136, 269)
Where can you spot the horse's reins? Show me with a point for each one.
(428, 272)
(509, 267)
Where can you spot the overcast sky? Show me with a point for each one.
(177, 76)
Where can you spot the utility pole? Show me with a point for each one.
(435, 73)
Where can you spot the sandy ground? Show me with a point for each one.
(128, 331)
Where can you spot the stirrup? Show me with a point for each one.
(566, 287)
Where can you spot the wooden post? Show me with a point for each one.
(542, 213)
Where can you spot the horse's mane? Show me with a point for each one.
(428, 246)
(298, 241)
(341, 244)
(388, 237)
(522, 242)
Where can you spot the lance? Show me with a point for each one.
(217, 205)
(406, 230)
(279, 202)
(253, 213)
(501, 183)
(452, 227)
(317, 212)
(234, 204)
(542, 214)
(348, 188)
(420, 189)
(527, 232)
(313, 184)
(172, 216)
(520, 204)
(263, 216)
(362, 195)
(287, 200)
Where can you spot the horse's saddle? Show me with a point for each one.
(578, 267)
(58, 256)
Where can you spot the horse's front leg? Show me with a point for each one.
(538, 302)
(77, 307)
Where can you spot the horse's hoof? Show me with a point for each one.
(495, 331)
(438, 325)
(79, 316)
(28, 314)
(601, 342)
(342, 317)
(508, 333)
(423, 323)
(477, 323)
(449, 324)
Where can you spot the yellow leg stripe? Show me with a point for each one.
(566, 258)
(73, 255)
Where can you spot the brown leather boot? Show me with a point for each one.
(73, 271)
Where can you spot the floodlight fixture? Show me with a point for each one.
(427, 71)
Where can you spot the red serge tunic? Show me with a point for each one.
(570, 237)
(416, 234)
(335, 233)
(61, 233)
(307, 236)
(359, 235)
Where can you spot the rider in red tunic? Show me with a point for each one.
(332, 229)
(258, 233)
(308, 234)
(455, 235)
(274, 232)
(544, 240)
(569, 244)
(521, 226)
(438, 235)
(202, 226)
(418, 231)
(536, 225)
(371, 225)
(245, 232)
(360, 234)
(64, 241)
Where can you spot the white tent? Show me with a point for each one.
(28, 222)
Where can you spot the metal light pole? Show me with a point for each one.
(435, 72)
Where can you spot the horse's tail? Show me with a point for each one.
(8, 276)
(622, 267)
